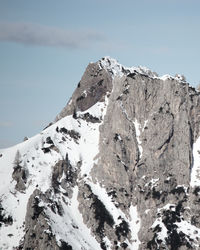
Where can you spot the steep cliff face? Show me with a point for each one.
(118, 169)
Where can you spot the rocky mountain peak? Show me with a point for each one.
(118, 168)
(117, 69)
(98, 80)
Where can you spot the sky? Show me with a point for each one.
(46, 45)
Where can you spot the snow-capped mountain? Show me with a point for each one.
(119, 168)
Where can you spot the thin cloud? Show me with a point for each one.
(40, 35)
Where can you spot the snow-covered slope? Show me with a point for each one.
(118, 169)
(37, 156)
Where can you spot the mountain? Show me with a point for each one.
(119, 168)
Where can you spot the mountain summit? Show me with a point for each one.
(119, 168)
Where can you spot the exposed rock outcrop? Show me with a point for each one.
(118, 169)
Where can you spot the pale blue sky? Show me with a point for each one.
(46, 45)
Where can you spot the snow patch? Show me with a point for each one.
(134, 227)
(152, 183)
(147, 211)
(102, 195)
(145, 124)
(195, 172)
(91, 138)
(162, 234)
(166, 77)
(137, 130)
(167, 207)
(107, 243)
(76, 233)
(189, 230)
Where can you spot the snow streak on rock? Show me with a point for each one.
(137, 130)
(133, 221)
(134, 227)
(70, 227)
(195, 174)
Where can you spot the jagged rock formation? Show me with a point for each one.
(118, 169)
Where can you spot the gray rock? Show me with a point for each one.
(38, 234)
(91, 89)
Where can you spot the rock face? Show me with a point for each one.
(118, 169)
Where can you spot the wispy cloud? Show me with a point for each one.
(5, 124)
(41, 35)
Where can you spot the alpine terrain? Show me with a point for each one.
(119, 168)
